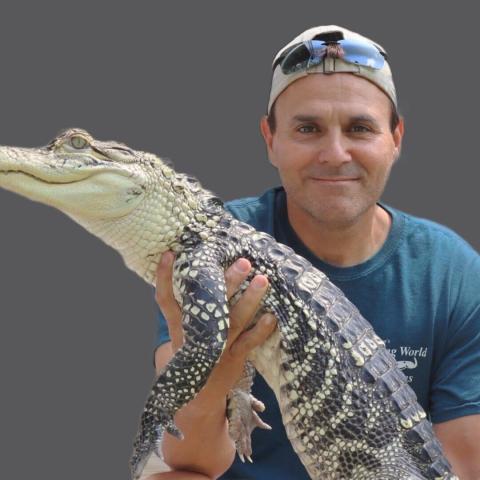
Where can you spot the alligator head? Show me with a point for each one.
(130, 199)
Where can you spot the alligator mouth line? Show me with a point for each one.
(6, 172)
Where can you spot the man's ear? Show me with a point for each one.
(267, 136)
(398, 137)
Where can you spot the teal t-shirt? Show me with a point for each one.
(421, 294)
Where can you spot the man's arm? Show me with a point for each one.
(177, 475)
(207, 447)
(460, 439)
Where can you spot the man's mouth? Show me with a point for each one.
(335, 180)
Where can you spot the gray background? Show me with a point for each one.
(189, 81)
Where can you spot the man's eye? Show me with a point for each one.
(307, 129)
(360, 128)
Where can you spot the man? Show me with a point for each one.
(333, 132)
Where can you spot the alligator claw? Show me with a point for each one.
(173, 430)
(149, 440)
(243, 419)
(242, 458)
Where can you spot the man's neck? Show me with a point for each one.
(342, 246)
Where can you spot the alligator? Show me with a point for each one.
(347, 408)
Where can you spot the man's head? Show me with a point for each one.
(333, 130)
(331, 49)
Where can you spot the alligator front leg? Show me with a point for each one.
(200, 288)
(242, 413)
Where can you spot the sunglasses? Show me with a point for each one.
(311, 53)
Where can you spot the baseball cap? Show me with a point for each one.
(379, 74)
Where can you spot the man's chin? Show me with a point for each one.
(338, 213)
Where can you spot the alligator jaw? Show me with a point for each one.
(44, 164)
(66, 182)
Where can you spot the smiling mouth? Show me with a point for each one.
(335, 180)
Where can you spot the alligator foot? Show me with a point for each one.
(243, 418)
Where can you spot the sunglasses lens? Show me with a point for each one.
(362, 53)
(300, 57)
(311, 53)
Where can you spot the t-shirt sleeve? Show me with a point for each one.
(456, 383)
(162, 335)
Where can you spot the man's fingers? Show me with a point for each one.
(244, 310)
(242, 313)
(236, 274)
(254, 337)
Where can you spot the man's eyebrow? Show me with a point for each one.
(305, 118)
(364, 118)
(355, 118)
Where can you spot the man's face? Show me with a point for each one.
(333, 146)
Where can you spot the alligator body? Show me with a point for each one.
(347, 408)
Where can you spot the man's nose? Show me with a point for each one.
(335, 149)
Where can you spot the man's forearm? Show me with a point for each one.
(460, 438)
(178, 476)
(206, 447)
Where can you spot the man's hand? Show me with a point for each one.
(239, 342)
(207, 447)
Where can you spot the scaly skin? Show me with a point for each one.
(347, 409)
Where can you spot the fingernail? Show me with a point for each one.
(271, 320)
(259, 282)
(268, 319)
(242, 265)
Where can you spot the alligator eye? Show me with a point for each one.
(78, 142)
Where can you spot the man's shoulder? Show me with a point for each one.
(430, 234)
(257, 211)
